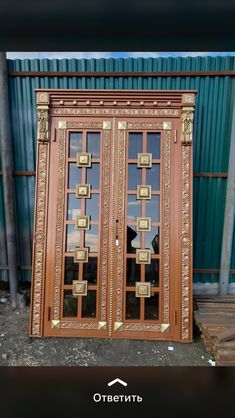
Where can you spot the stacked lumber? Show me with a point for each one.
(215, 317)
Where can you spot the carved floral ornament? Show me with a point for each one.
(187, 125)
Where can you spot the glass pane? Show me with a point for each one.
(135, 144)
(153, 145)
(75, 143)
(74, 175)
(153, 177)
(132, 272)
(152, 240)
(151, 307)
(74, 207)
(89, 304)
(132, 306)
(153, 208)
(132, 239)
(90, 270)
(92, 238)
(70, 304)
(93, 206)
(93, 144)
(134, 176)
(152, 272)
(70, 270)
(73, 238)
(133, 208)
(93, 176)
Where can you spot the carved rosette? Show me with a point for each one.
(166, 224)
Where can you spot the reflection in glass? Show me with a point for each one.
(153, 177)
(153, 208)
(93, 176)
(153, 145)
(132, 306)
(89, 304)
(134, 176)
(92, 239)
(74, 207)
(133, 208)
(152, 272)
(93, 144)
(74, 175)
(132, 272)
(75, 143)
(70, 304)
(70, 270)
(73, 238)
(93, 206)
(151, 307)
(152, 240)
(90, 270)
(135, 144)
(132, 240)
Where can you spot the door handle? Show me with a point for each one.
(117, 232)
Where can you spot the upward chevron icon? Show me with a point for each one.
(113, 382)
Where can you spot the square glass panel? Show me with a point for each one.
(74, 175)
(152, 240)
(134, 176)
(93, 176)
(133, 208)
(132, 239)
(70, 270)
(73, 238)
(132, 272)
(90, 270)
(93, 206)
(89, 305)
(132, 306)
(135, 144)
(92, 239)
(151, 309)
(75, 143)
(153, 144)
(153, 177)
(152, 272)
(70, 304)
(74, 207)
(93, 144)
(153, 208)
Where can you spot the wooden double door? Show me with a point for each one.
(112, 239)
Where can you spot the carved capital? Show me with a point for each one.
(187, 125)
(42, 123)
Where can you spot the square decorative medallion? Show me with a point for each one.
(79, 287)
(143, 257)
(83, 190)
(81, 255)
(143, 224)
(143, 192)
(82, 222)
(142, 290)
(83, 159)
(144, 160)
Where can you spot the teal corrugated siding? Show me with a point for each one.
(213, 117)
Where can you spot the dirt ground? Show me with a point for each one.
(18, 349)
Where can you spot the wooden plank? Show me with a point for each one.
(226, 335)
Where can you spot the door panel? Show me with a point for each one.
(112, 242)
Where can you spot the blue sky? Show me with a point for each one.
(60, 55)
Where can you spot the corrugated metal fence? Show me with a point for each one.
(211, 140)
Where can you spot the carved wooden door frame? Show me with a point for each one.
(172, 113)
